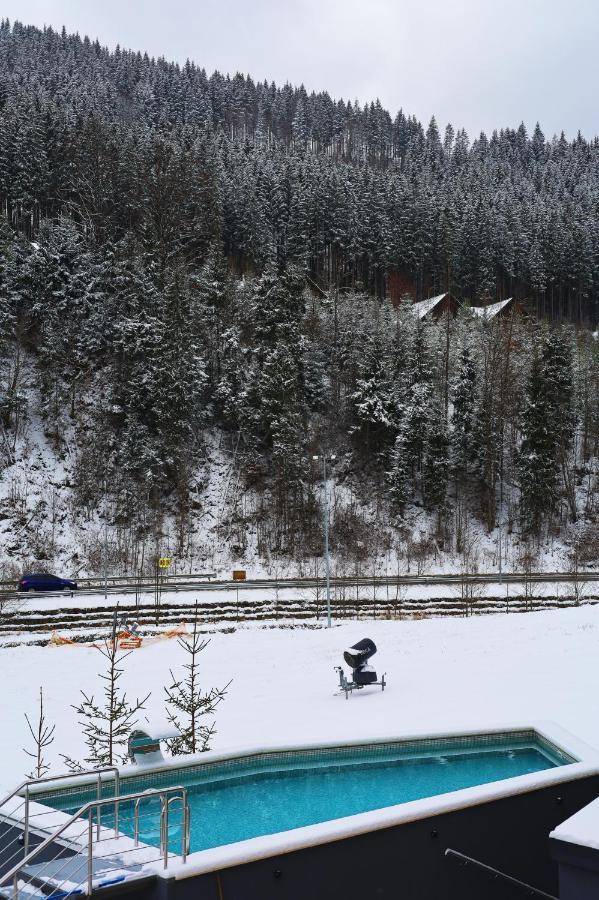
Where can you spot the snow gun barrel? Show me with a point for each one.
(358, 654)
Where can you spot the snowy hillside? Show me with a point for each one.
(44, 526)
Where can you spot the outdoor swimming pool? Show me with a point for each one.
(267, 793)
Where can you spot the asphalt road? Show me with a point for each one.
(207, 582)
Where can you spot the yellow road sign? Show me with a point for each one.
(165, 562)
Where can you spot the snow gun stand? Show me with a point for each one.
(363, 675)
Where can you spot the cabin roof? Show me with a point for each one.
(490, 311)
(424, 307)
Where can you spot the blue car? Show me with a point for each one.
(46, 582)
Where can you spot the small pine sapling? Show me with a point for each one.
(187, 704)
(106, 725)
(43, 736)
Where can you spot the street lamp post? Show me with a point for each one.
(327, 561)
(500, 526)
(105, 549)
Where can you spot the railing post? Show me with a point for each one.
(117, 793)
(136, 823)
(90, 851)
(185, 828)
(165, 828)
(15, 886)
(26, 829)
(161, 823)
(98, 813)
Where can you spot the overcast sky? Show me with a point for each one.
(480, 64)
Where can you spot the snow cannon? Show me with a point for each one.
(357, 657)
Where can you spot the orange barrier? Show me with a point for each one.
(58, 641)
(130, 643)
(181, 631)
(126, 640)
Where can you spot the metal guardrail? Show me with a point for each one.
(49, 779)
(128, 584)
(166, 796)
(99, 582)
(20, 815)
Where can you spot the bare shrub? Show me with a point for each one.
(421, 551)
(528, 564)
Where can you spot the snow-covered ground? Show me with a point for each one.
(443, 674)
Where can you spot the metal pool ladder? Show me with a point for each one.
(164, 822)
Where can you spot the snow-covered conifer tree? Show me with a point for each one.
(188, 704)
(107, 723)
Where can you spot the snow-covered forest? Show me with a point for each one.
(205, 281)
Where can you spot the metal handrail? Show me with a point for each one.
(497, 873)
(85, 862)
(164, 825)
(68, 860)
(97, 772)
(185, 825)
(87, 809)
(136, 814)
(46, 779)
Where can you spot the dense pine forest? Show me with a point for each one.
(197, 268)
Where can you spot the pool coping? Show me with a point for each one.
(253, 849)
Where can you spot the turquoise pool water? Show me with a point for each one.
(247, 797)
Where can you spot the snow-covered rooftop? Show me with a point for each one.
(490, 311)
(424, 307)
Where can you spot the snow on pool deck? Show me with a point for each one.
(582, 828)
(443, 675)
